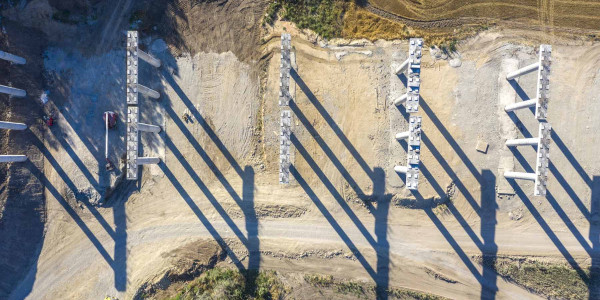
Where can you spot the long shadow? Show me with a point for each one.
(207, 193)
(594, 283)
(521, 93)
(327, 150)
(203, 219)
(381, 245)
(488, 234)
(381, 231)
(546, 228)
(209, 131)
(339, 133)
(487, 279)
(331, 188)
(554, 203)
(118, 264)
(334, 224)
(571, 158)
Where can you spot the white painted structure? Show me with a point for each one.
(543, 84)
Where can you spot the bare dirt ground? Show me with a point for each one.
(346, 213)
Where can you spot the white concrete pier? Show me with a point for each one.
(12, 91)
(12, 126)
(12, 58)
(401, 169)
(148, 128)
(12, 158)
(148, 160)
(402, 67)
(520, 175)
(522, 142)
(522, 71)
(401, 99)
(520, 105)
(144, 90)
(155, 62)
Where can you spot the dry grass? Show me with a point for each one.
(571, 14)
(360, 23)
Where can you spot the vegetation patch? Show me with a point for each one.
(552, 280)
(364, 290)
(221, 283)
(325, 17)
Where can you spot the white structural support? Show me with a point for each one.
(132, 142)
(401, 169)
(413, 67)
(543, 84)
(523, 71)
(12, 126)
(132, 67)
(12, 58)
(12, 91)
(133, 88)
(148, 128)
(12, 158)
(520, 175)
(522, 142)
(284, 147)
(413, 137)
(543, 159)
(155, 62)
(284, 69)
(519, 105)
(401, 99)
(148, 160)
(402, 67)
(147, 91)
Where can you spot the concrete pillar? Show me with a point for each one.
(148, 91)
(12, 58)
(400, 99)
(401, 169)
(520, 175)
(402, 67)
(12, 91)
(523, 71)
(13, 126)
(12, 158)
(519, 105)
(522, 142)
(402, 135)
(148, 128)
(148, 160)
(155, 62)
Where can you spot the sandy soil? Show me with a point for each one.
(219, 171)
(346, 212)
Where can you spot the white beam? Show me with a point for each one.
(401, 169)
(148, 91)
(148, 160)
(13, 126)
(155, 62)
(12, 58)
(520, 175)
(523, 71)
(12, 91)
(519, 105)
(522, 142)
(148, 128)
(12, 158)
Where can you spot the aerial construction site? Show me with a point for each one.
(305, 149)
